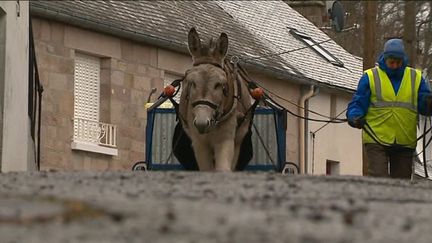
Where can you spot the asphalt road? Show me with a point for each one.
(211, 207)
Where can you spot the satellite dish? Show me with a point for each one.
(337, 15)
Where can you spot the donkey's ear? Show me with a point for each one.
(194, 42)
(222, 45)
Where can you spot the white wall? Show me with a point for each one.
(17, 148)
(336, 142)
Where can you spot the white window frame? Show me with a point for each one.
(88, 130)
(321, 51)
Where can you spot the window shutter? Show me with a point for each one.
(86, 87)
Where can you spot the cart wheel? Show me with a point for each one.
(290, 168)
(140, 166)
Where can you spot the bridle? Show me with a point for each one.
(220, 116)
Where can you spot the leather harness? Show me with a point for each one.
(220, 116)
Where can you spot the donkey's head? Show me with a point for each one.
(207, 84)
(212, 53)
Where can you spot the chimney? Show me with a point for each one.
(314, 11)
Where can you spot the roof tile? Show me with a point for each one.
(255, 29)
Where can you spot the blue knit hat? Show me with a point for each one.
(394, 48)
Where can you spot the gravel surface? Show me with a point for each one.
(211, 207)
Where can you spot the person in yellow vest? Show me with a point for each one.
(386, 105)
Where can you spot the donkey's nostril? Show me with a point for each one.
(201, 125)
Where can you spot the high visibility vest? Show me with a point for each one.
(393, 117)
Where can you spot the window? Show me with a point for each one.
(316, 47)
(89, 133)
(86, 89)
(332, 167)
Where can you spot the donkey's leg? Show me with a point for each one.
(204, 156)
(240, 136)
(224, 154)
(236, 156)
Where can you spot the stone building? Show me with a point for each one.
(99, 60)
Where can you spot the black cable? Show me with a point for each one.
(293, 103)
(285, 52)
(373, 135)
(178, 90)
(424, 149)
(329, 122)
(253, 83)
(313, 152)
(369, 131)
(313, 140)
(333, 120)
(317, 120)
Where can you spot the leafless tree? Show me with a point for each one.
(390, 24)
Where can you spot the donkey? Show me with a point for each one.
(214, 105)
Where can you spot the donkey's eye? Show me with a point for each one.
(218, 85)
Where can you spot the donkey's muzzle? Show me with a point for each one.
(201, 125)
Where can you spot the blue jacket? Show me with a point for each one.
(360, 102)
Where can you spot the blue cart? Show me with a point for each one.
(268, 141)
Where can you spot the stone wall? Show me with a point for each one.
(128, 72)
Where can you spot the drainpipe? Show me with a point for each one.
(303, 125)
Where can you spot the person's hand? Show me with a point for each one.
(357, 122)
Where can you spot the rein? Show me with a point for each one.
(236, 93)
